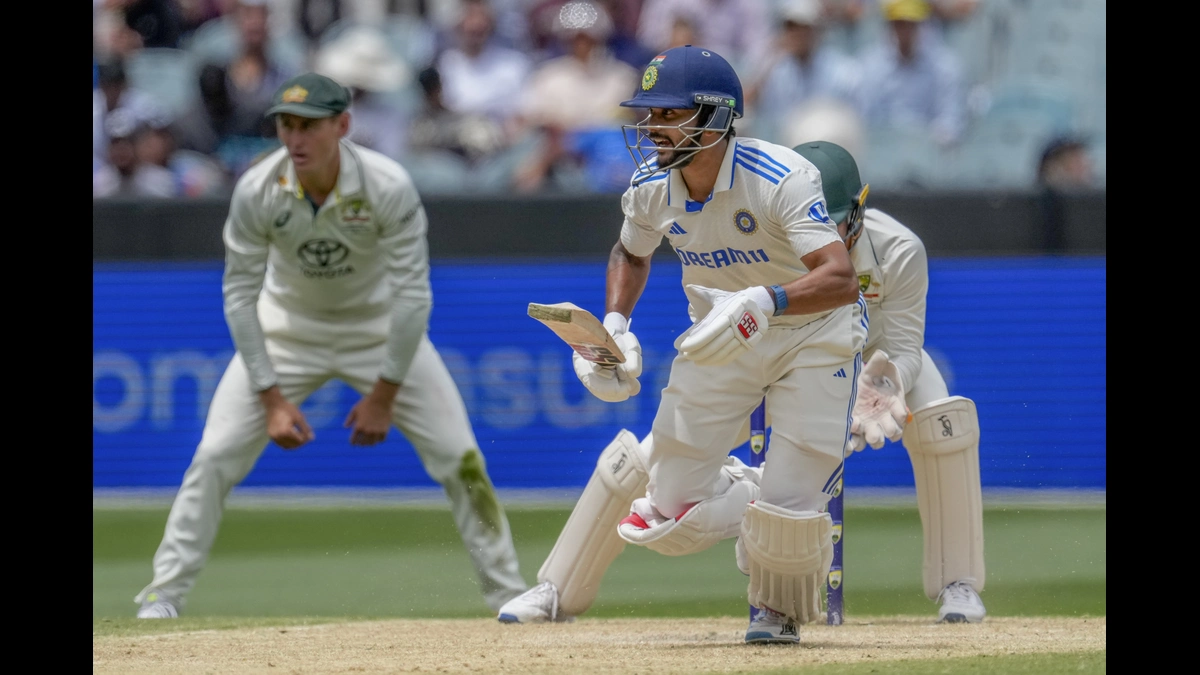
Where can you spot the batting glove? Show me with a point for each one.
(879, 411)
(613, 383)
(735, 324)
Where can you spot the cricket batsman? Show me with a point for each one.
(777, 312)
(942, 437)
(327, 277)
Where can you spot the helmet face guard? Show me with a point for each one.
(683, 78)
(854, 220)
(644, 151)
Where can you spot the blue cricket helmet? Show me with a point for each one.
(688, 77)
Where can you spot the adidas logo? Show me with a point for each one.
(676, 229)
(840, 373)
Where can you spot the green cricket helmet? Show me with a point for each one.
(845, 194)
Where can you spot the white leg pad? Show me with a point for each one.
(588, 542)
(789, 555)
(704, 524)
(943, 444)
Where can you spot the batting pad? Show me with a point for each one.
(704, 524)
(790, 553)
(943, 444)
(588, 542)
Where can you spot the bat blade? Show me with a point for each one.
(581, 330)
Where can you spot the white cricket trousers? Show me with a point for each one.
(428, 410)
(809, 376)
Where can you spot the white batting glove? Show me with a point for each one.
(879, 411)
(735, 324)
(613, 383)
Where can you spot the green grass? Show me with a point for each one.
(334, 564)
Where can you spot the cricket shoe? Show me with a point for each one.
(768, 627)
(960, 604)
(536, 605)
(157, 607)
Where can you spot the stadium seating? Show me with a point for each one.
(169, 75)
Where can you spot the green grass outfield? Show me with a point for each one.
(321, 563)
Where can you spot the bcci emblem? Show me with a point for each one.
(835, 579)
(745, 222)
(864, 282)
(649, 78)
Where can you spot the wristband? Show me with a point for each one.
(781, 299)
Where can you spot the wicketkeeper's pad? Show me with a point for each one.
(790, 553)
(943, 445)
(588, 542)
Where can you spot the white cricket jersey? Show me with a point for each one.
(363, 253)
(893, 275)
(766, 211)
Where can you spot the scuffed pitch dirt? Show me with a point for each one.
(649, 646)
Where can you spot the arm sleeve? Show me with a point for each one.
(806, 224)
(637, 238)
(407, 249)
(903, 311)
(246, 247)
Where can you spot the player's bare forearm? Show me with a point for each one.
(626, 279)
(829, 284)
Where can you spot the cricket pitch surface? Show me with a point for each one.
(649, 646)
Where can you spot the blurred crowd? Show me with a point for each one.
(521, 96)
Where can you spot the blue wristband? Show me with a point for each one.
(781, 300)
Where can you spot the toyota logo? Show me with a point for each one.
(322, 252)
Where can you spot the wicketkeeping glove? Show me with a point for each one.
(734, 325)
(618, 382)
(879, 411)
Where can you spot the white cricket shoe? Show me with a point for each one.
(536, 605)
(770, 627)
(960, 604)
(157, 607)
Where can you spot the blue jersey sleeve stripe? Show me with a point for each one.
(749, 159)
(754, 170)
(760, 153)
(652, 178)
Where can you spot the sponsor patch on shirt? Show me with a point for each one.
(819, 213)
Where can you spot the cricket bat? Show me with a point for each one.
(580, 329)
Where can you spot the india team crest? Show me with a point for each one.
(864, 282)
(649, 78)
(745, 222)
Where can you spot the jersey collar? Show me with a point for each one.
(677, 192)
(350, 178)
